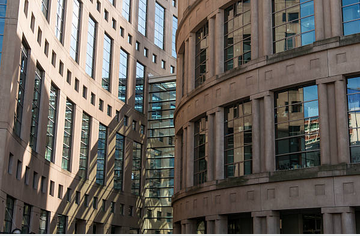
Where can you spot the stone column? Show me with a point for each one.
(324, 124)
(256, 136)
(210, 226)
(327, 223)
(191, 63)
(269, 132)
(273, 223)
(17, 214)
(348, 222)
(186, 67)
(266, 222)
(219, 144)
(340, 220)
(34, 224)
(319, 20)
(179, 79)
(177, 228)
(190, 156)
(258, 227)
(211, 49)
(221, 225)
(267, 27)
(184, 160)
(190, 226)
(342, 122)
(210, 147)
(254, 29)
(219, 42)
(336, 22)
(177, 163)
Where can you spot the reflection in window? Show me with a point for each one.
(293, 24)
(25, 225)
(119, 162)
(297, 128)
(90, 51)
(101, 154)
(237, 33)
(136, 169)
(126, 9)
(238, 140)
(174, 28)
(43, 224)
(69, 111)
(74, 40)
(123, 73)
(201, 55)
(351, 16)
(139, 87)
(61, 224)
(44, 7)
(142, 18)
(84, 145)
(39, 74)
(200, 152)
(106, 67)
(2, 23)
(51, 126)
(59, 26)
(159, 25)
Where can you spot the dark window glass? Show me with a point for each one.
(200, 153)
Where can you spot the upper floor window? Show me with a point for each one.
(52, 123)
(136, 169)
(119, 162)
(74, 44)
(123, 73)
(139, 87)
(174, 29)
(101, 155)
(84, 145)
(293, 24)
(200, 153)
(297, 139)
(45, 8)
(237, 32)
(2, 23)
(106, 62)
(353, 97)
(201, 55)
(238, 140)
(90, 52)
(59, 25)
(351, 16)
(142, 21)
(126, 9)
(159, 25)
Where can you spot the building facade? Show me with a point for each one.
(266, 117)
(73, 112)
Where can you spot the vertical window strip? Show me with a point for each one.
(2, 23)
(123, 74)
(119, 162)
(126, 9)
(101, 154)
(106, 62)
(351, 17)
(25, 226)
(201, 55)
(68, 129)
(59, 26)
(90, 51)
(159, 25)
(39, 74)
(200, 158)
(74, 40)
(51, 126)
(9, 214)
(139, 87)
(61, 224)
(142, 19)
(43, 224)
(174, 29)
(44, 8)
(84, 146)
(353, 99)
(136, 169)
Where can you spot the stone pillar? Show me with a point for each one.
(273, 223)
(348, 222)
(342, 122)
(219, 42)
(319, 20)
(336, 21)
(184, 159)
(210, 147)
(210, 226)
(186, 67)
(211, 49)
(179, 79)
(327, 223)
(339, 220)
(219, 144)
(177, 163)
(324, 125)
(191, 63)
(266, 222)
(183, 228)
(221, 225)
(254, 29)
(190, 226)
(17, 215)
(258, 225)
(177, 228)
(34, 222)
(267, 27)
(125, 230)
(256, 136)
(2, 209)
(190, 156)
(269, 132)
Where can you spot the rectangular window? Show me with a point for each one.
(351, 17)
(237, 33)
(109, 110)
(25, 225)
(142, 19)
(112, 207)
(139, 87)
(101, 154)
(126, 9)
(45, 8)
(68, 195)
(136, 168)
(9, 213)
(18, 170)
(51, 126)
(52, 188)
(159, 25)
(84, 146)
(61, 224)
(27, 175)
(174, 29)
(146, 52)
(119, 162)
(122, 207)
(106, 67)
(53, 58)
(74, 39)
(35, 180)
(353, 99)
(59, 25)
(44, 222)
(68, 129)
(39, 75)
(77, 197)
(60, 191)
(293, 24)
(39, 36)
(201, 55)
(123, 74)
(238, 140)
(90, 51)
(95, 200)
(43, 184)
(2, 23)
(103, 207)
(86, 200)
(297, 136)
(200, 158)
(11, 163)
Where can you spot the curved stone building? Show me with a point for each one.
(267, 117)
(74, 113)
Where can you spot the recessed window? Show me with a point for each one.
(77, 197)
(159, 25)
(142, 129)
(101, 105)
(52, 188)
(53, 58)
(201, 55)
(60, 191)
(137, 46)
(68, 77)
(174, 3)
(200, 152)
(106, 15)
(39, 36)
(32, 22)
(98, 6)
(68, 195)
(129, 39)
(154, 58)
(84, 92)
(93, 97)
(95, 200)
(126, 120)
(86, 200)
(163, 64)
(18, 170)
(122, 207)
(27, 175)
(109, 110)
(35, 180)
(172, 69)
(76, 85)
(61, 68)
(112, 207)
(131, 209)
(43, 184)
(26, 7)
(114, 23)
(142, 17)
(46, 48)
(146, 51)
(122, 31)
(103, 208)
(134, 125)
(10, 163)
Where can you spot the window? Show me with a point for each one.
(44, 221)
(27, 175)
(109, 110)
(25, 225)
(159, 25)
(68, 133)
(201, 55)
(84, 92)
(43, 184)
(61, 68)
(174, 3)
(60, 191)
(114, 23)
(86, 200)
(26, 7)
(297, 139)
(101, 105)
(123, 73)
(76, 87)
(74, 39)
(35, 180)
(142, 18)
(21, 92)
(92, 99)
(129, 39)
(172, 69)
(136, 169)
(98, 6)
(11, 163)
(353, 114)
(18, 169)
(142, 129)
(90, 52)
(293, 24)
(95, 202)
(122, 207)
(200, 158)
(119, 162)
(39, 36)
(122, 31)
(9, 213)
(51, 125)
(84, 145)
(68, 195)
(77, 197)
(137, 46)
(59, 25)
(53, 58)
(112, 207)
(154, 57)
(163, 64)
(146, 52)
(45, 8)
(46, 48)
(134, 125)
(32, 22)
(61, 224)
(237, 33)
(103, 208)
(139, 87)
(131, 210)
(52, 188)
(39, 74)
(101, 154)
(238, 140)
(126, 120)
(174, 29)
(351, 17)
(68, 77)
(126, 9)
(106, 63)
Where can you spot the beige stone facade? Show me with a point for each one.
(308, 194)
(27, 178)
